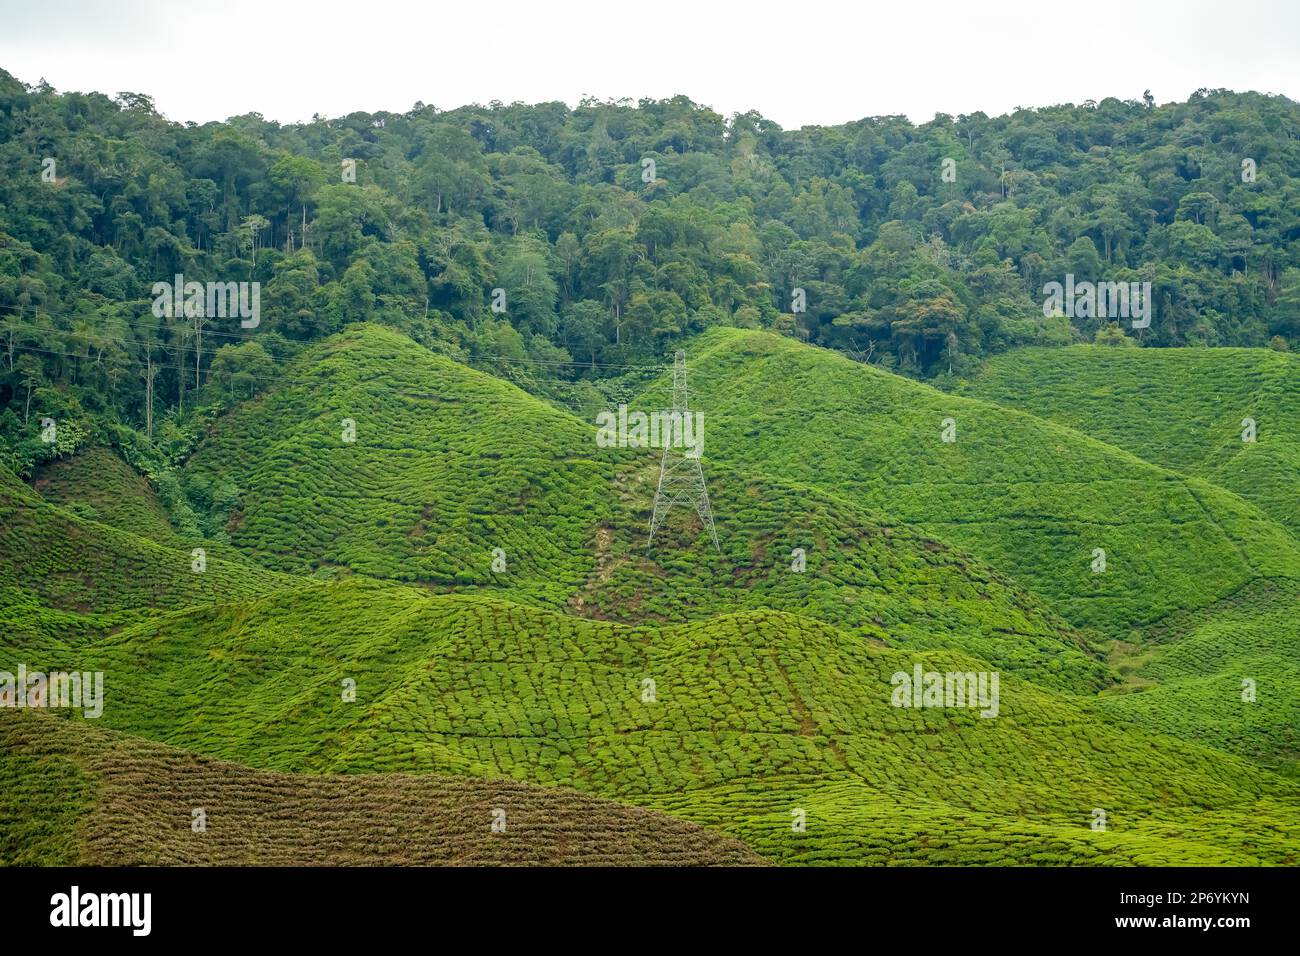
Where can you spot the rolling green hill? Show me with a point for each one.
(754, 715)
(446, 465)
(104, 799)
(337, 564)
(1184, 409)
(63, 576)
(1188, 678)
(883, 582)
(98, 485)
(1180, 408)
(1031, 498)
(450, 463)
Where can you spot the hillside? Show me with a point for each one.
(446, 464)
(98, 485)
(63, 576)
(298, 452)
(1031, 498)
(1180, 408)
(73, 794)
(451, 463)
(1190, 674)
(753, 715)
(927, 244)
(771, 687)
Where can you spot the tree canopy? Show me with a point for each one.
(601, 236)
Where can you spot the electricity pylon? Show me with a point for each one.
(681, 478)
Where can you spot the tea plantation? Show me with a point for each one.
(749, 717)
(1184, 409)
(1031, 498)
(421, 586)
(122, 801)
(450, 464)
(63, 575)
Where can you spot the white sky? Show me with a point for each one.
(799, 62)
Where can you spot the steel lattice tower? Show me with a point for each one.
(681, 478)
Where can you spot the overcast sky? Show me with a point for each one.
(799, 62)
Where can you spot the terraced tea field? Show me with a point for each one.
(1195, 670)
(749, 718)
(1180, 408)
(97, 485)
(425, 587)
(62, 575)
(435, 483)
(1032, 499)
(125, 802)
(1185, 409)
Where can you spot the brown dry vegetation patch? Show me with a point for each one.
(145, 795)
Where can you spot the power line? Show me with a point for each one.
(280, 378)
(250, 337)
(582, 411)
(83, 317)
(180, 351)
(681, 477)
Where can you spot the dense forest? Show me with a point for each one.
(612, 231)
